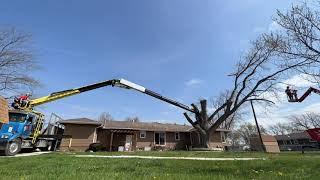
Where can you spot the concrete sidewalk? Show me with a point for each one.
(175, 158)
(28, 154)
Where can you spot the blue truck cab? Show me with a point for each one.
(14, 133)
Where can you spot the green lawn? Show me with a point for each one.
(65, 166)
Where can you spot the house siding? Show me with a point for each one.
(81, 137)
(173, 144)
(148, 141)
(215, 140)
(84, 134)
(170, 142)
(104, 137)
(270, 143)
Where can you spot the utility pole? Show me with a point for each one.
(258, 128)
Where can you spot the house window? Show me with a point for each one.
(177, 136)
(159, 138)
(143, 134)
(288, 142)
(223, 137)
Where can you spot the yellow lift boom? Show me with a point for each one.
(122, 83)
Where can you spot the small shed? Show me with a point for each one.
(270, 143)
(82, 132)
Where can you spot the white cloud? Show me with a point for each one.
(310, 108)
(274, 26)
(194, 82)
(299, 81)
(258, 30)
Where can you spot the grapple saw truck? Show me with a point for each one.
(26, 126)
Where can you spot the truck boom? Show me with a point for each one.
(121, 83)
(24, 127)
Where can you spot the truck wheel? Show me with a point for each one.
(13, 147)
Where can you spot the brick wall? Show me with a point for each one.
(4, 115)
(170, 142)
(148, 141)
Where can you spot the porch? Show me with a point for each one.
(118, 139)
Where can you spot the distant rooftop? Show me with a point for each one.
(153, 126)
(296, 135)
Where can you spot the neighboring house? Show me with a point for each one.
(132, 136)
(295, 141)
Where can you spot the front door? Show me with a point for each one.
(128, 145)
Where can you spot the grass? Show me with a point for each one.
(65, 166)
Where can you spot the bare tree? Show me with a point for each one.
(236, 117)
(300, 34)
(16, 62)
(255, 79)
(280, 129)
(234, 138)
(247, 130)
(104, 118)
(133, 119)
(305, 121)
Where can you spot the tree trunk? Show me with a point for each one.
(205, 140)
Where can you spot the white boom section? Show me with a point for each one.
(132, 85)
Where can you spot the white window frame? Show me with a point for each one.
(165, 138)
(145, 134)
(175, 136)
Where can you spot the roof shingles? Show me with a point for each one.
(143, 126)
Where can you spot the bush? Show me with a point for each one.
(96, 147)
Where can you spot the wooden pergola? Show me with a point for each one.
(121, 131)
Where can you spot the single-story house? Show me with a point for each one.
(132, 136)
(295, 141)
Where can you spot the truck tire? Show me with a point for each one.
(13, 147)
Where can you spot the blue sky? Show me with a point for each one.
(183, 49)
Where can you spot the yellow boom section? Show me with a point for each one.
(53, 97)
(65, 93)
